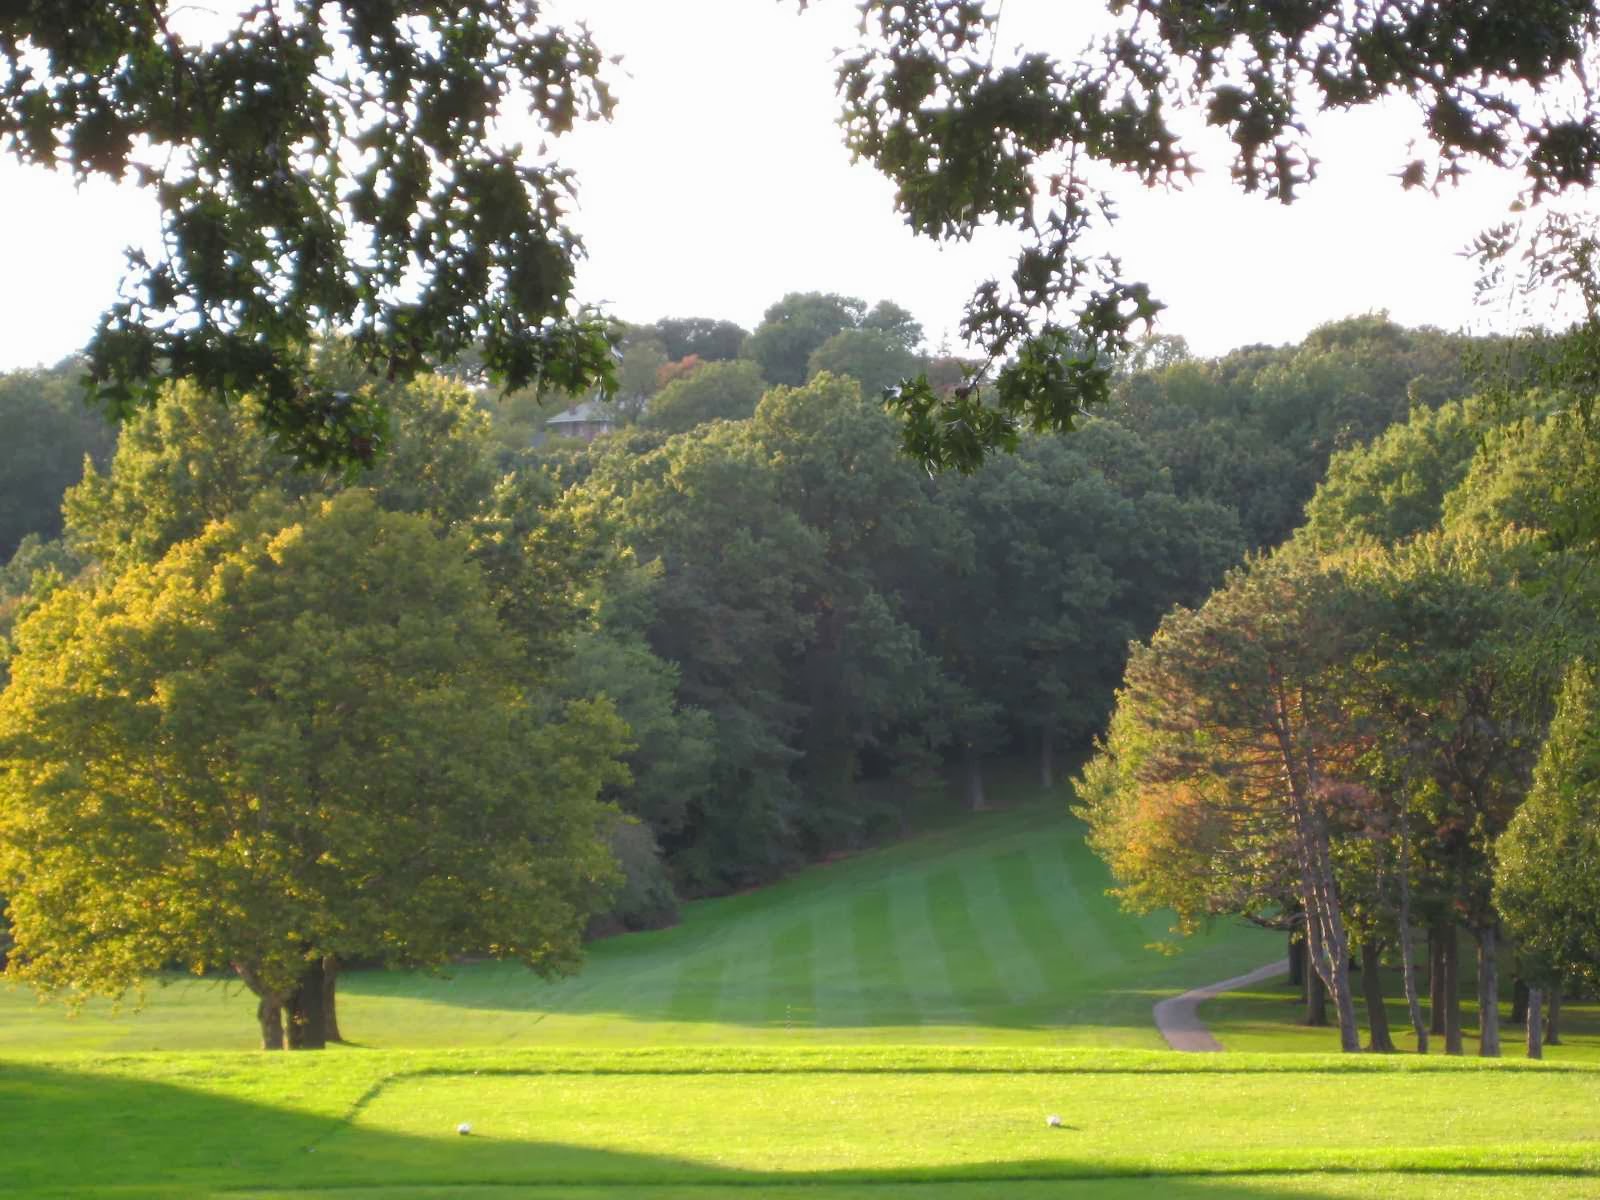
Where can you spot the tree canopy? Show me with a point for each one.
(337, 165)
(286, 740)
(318, 167)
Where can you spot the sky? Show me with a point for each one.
(722, 183)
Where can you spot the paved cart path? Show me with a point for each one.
(1178, 1018)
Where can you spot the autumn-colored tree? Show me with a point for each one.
(1217, 789)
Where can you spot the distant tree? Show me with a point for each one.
(1255, 429)
(872, 357)
(862, 675)
(682, 368)
(719, 391)
(298, 735)
(703, 512)
(707, 339)
(794, 327)
(49, 431)
(1073, 547)
(895, 323)
(1395, 486)
(643, 356)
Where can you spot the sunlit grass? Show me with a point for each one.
(893, 1025)
(702, 1119)
(991, 929)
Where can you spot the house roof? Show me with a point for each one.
(590, 412)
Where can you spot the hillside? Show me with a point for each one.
(991, 928)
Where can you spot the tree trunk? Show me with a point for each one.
(269, 1007)
(972, 761)
(1372, 987)
(308, 1028)
(1436, 978)
(1047, 755)
(270, 1014)
(1408, 968)
(1297, 962)
(1452, 991)
(330, 1010)
(1316, 990)
(1330, 949)
(1519, 1001)
(1552, 1020)
(1534, 1019)
(1488, 995)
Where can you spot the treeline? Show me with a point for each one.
(1353, 737)
(744, 620)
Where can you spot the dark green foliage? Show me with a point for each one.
(1547, 874)
(794, 327)
(966, 135)
(716, 391)
(48, 432)
(872, 357)
(319, 165)
(645, 898)
(1255, 430)
(707, 339)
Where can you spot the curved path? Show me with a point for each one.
(1178, 1018)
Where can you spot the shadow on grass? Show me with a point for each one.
(85, 1134)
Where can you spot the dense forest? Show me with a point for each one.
(778, 604)
(732, 629)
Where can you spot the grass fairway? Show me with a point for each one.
(991, 929)
(890, 1026)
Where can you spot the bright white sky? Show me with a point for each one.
(723, 183)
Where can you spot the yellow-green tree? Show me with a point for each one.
(297, 735)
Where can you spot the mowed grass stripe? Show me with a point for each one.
(1123, 937)
(1059, 954)
(975, 986)
(1016, 974)
(791, 988)
(698, 989)
(840, 990)
(875, 955)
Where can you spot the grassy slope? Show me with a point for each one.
(991, 930)
(891, 1026)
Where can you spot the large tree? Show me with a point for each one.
(299, 735)
(1547, 873)
(1220, 783)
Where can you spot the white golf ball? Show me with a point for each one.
(1053, 1121)
(463, 1129)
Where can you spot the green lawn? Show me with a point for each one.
(992, 930)
(694, 1121)
(890, 1026)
